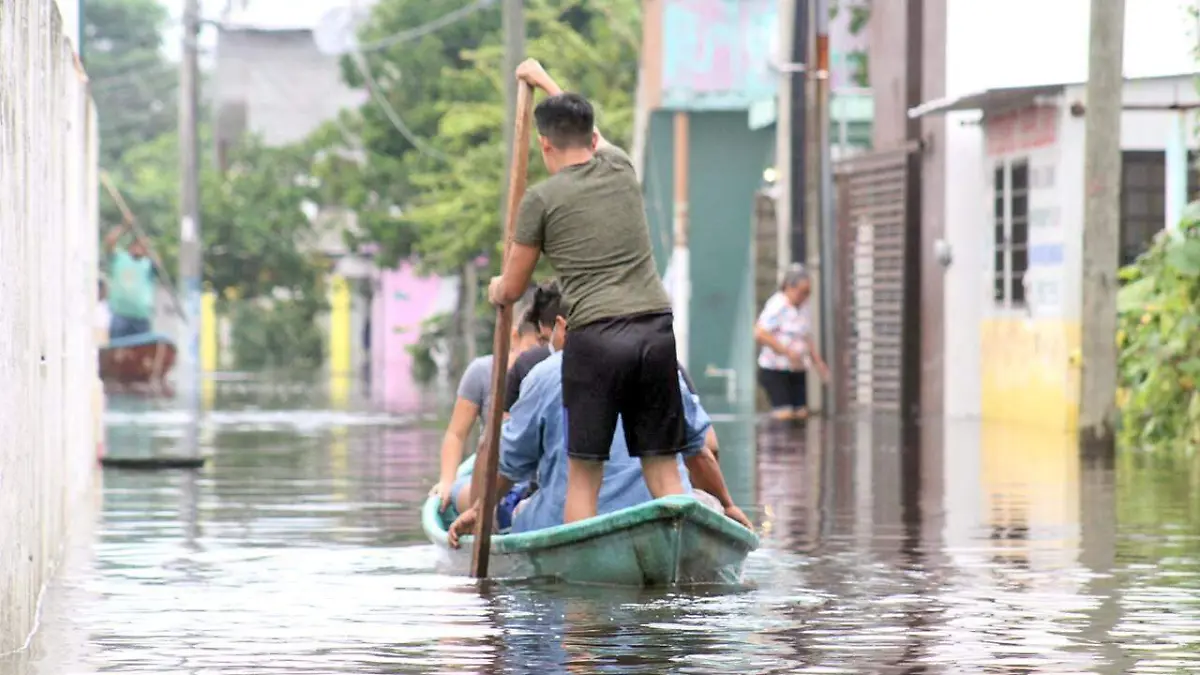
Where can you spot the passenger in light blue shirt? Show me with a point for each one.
(533, 444)
(532, 450)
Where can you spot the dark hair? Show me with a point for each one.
(521, 310)
(547, 304)
(566, 120)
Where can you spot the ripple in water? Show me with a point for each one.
(298, 550)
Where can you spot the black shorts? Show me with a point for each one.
(623, 366)
(785, 388)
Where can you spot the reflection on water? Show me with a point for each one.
(298, 549)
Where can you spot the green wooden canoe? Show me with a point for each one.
(666, 542)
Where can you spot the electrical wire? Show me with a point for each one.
(427, 28)
(360, 62)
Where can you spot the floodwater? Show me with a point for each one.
(298, 550)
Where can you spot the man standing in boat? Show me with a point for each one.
(589, 220)
(130, 284)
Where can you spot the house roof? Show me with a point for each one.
(988, 99)
(1009, 97)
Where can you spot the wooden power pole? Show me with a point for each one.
(1101, 226)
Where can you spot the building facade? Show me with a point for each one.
(987, 350)
(1021, 238)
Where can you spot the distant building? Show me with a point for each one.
(270, 79)
(1022, 235)
(712, 79)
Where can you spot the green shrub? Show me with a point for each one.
(1158, 338)
(277, 334)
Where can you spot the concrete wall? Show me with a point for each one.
(402, 302)
(48, 237)
(276, 84)
(725, 165)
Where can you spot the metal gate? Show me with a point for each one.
(870, 272)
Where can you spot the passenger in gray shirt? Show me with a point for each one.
(474, 398)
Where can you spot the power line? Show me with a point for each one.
(427, 28)
(364, 69)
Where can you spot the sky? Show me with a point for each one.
(1026, 42)
(997, 42)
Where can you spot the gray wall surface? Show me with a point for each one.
(48, 242)
(277, 85)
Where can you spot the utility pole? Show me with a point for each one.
(513, 23)
(512, 18)
(812, 187)
(911, 460)
(823, 327)
(792, 160)
(1101, 231)
(784, 120)
(190, 268)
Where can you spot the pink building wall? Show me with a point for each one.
(402, 302)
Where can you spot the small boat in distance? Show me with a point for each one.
(673, 541)
(137, 359)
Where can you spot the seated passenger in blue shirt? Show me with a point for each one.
(532, 444)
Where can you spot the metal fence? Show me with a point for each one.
(48, 296)
(870, 251)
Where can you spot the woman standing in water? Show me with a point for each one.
(787, 346)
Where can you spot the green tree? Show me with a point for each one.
(259, 244)
(441, 201)
(133, 85)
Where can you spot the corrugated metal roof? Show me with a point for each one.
(1007, 97)
(985, 100)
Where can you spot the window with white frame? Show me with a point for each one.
(1010, 211)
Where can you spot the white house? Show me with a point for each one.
(1013, 151)
(1019, 230)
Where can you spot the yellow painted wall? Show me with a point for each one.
(208, 348)
(1030, 372)
(208, 332)
(339, 340)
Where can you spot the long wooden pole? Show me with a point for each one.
(487, 460)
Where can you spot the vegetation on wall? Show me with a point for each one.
(1159, 341)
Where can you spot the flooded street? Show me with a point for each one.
(298, 549)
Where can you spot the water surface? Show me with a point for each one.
(298, 550)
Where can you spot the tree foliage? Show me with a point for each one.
(257, 236)
(133, 85)
(1158, 340)
(441, 201)
(860, 15)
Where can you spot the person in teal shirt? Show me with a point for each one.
(130, 285)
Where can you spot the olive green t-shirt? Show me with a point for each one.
(589, 221)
